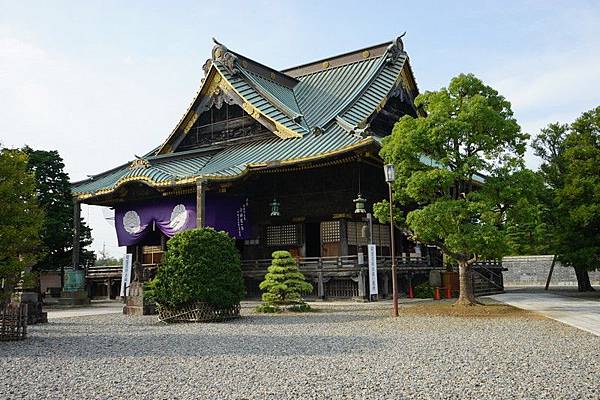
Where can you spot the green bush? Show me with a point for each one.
(199, 265)
(284, 284)
(424, 291)
(268, 309)
(149, 296)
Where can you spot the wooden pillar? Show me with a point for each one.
(76, 233)
(386, 284)
(200, 203)
(343, 238)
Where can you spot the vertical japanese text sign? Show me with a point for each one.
(126, 276)
(372, 250)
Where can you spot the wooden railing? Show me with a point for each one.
(342, 264)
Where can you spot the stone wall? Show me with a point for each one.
(533, 271)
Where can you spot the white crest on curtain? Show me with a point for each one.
(131, 222)
(179, 217)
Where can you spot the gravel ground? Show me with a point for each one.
(342, 352)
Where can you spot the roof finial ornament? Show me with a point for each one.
(396, 49)
(139, 162)
(221, 54)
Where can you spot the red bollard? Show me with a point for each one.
(448, 292)
(436, 294)
(410, 293)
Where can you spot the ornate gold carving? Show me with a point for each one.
(273, 75)
(244, 63)
(139, 163)
(190, 123)
(366, 54)
(247, 107)
(251, 110)
(326, 64)
(218, 52)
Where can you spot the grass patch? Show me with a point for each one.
(486, 310)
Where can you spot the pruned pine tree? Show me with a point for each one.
(284, 284)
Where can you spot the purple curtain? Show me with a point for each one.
(169, 215)
(134, 221)
(229, 214)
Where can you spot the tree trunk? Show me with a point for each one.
(466, 296)
(583, 280)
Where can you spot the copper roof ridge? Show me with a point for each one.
(288, 81)
(357, 52)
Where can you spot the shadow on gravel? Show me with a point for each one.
(161, 342)
(311, 318)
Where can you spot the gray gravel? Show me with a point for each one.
(343, 352)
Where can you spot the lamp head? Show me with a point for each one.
(390, 173)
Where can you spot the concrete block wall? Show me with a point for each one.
(533, 271)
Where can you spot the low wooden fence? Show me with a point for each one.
(13, 322)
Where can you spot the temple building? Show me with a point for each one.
(279, 160)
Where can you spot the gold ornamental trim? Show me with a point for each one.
(186, 181)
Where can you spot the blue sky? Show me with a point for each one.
(101, 81)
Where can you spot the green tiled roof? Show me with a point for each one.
(161, 170)
(172, 169)
(263, 99)
(334, 98)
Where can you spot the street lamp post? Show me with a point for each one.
(390, 177)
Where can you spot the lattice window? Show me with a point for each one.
(381, 235)
(358, 233)
(341, 288)
(278, 235)
(330, 231)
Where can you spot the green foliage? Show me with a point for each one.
(302, 307)
(149, 291)
(571, 168)
(21, 219)
(199, 265)
(268, 309)
(520, 198)
(283, 283)
(109, 261)
(53, 191)
(423, 291)
(469, 129)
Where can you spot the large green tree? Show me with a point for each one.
(571, 168)
(469, 129)
(20, 220)
(53, 191)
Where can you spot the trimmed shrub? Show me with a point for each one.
(423, 291)
(283, 284)
(200, 265)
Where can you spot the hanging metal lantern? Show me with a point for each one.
(359, 203)
(275, 208)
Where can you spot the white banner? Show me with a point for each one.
(126, 276)
(372, 249)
